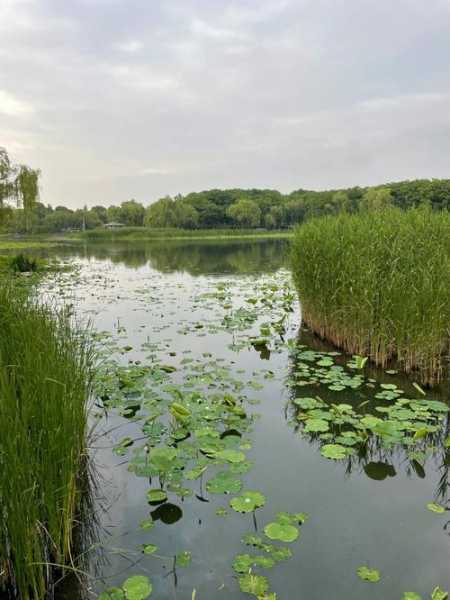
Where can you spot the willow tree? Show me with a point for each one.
(19, 184)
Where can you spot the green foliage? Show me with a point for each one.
(23, 264)
(375, 284)
(367, 574)
(45, 370)
(245, 213)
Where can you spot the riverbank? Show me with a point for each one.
(146, 234)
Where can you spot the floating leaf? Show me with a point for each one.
(283, 532)
(333, 451)
(367, 574)
(196, 472)
(147, 524)
(224, 483)
(411, 596)
(254, 584)
(137, 587)
(232, 456)
(247, 502)
(183, 559)
(314, 425)
(439, 594)
(436, 508)
(156, 495)
(149, 549)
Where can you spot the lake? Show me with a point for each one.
(223, 321)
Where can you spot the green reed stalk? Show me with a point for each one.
(44, 388)
(378, 285)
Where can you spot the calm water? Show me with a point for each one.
(151, 299)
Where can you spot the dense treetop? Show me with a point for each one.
(233, 208)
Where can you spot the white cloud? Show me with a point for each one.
(12, 106)
(131, 46)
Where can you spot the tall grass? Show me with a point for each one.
(44, 387)
(378, 285)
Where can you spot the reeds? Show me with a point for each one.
(378, 285)
(44, 388)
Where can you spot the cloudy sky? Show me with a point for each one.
(115, 99)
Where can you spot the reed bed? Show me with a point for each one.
(378, 285)
(44, 388)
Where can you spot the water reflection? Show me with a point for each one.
(379, 459)
(193, 257)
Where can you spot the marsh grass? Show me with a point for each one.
(44, 387)
(378, 285)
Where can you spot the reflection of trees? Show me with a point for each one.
(193, 257)
(373, 457)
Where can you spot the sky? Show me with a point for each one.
(120, 99)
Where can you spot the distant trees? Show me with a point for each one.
(245, 213)
(19, 184)
(20, 209)
(376, 199)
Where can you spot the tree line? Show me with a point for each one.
(20, 209)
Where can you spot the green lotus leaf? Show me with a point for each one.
(224, 483)
(314, 425)
(306, 403)
(147, 524)
(183, 559)
(367, 574)
(162, 458)
(283, 532)
(439, 594)
(137, 587)
(437, 508)
(411, 595)
(243, 563)
(196, 472)
(156, 495)
(333, 451)
(247, 502)
(254, 584)
(149, 549)
(232, 456)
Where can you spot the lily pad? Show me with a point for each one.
(224, 483)
(254, 584)
(137, 587)
(232, 456)
(334, 451)
(367, 574)
(183, 559)
(284, 532)
(439, 594)
(156, 496)
(247, 502)
(436, 508)
(314, 425)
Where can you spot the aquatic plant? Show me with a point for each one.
(44, 387)
(23, 264)
(376, 285)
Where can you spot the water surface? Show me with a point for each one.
(150, 301)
